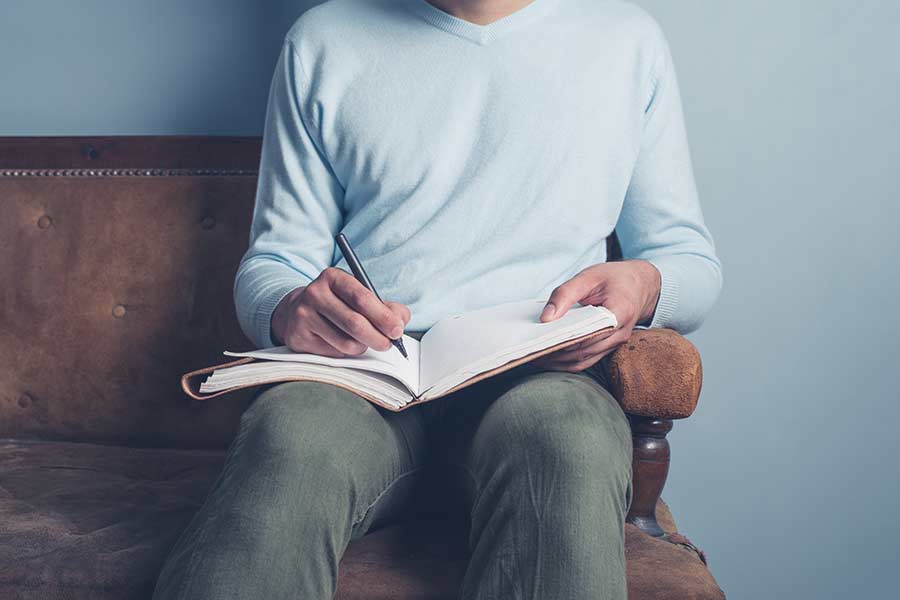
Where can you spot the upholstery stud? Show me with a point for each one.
(112, 223)
(24, 401)
(44, 222)
(118, 311)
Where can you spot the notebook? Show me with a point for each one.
(455, 352)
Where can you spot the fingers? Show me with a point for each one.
(567, 294)
(338, 339)
(313, 344)
(621, 308)
(366, 303)
(579, 357)
(584, 351)
(335, 315)
(353, 323)
(575, 367)
(319, 336)
(582, 365)
(401, 310)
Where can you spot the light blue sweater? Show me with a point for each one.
(472, 165)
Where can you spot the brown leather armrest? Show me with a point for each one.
(656, 374)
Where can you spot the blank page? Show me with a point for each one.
(459, 347)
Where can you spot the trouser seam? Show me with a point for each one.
(388, 488)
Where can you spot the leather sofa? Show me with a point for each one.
(117, 258)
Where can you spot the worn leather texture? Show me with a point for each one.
(656, 374)
(115, 280)
(83, 521)
(110, 289)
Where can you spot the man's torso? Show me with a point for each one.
(476, 173)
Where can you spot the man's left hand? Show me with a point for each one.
(629, 289)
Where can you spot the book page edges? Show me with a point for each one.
(190, 382)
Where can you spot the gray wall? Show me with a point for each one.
(787, 475)
(123, 67)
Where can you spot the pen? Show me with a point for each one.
(361, 276)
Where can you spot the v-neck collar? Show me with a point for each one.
(481, 34)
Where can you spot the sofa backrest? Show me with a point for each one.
(117, 259)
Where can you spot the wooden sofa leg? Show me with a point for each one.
(650, 466)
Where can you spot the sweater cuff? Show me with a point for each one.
(668, 294)
(267, 307)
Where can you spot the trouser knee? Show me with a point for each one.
(558, 434)
(291, 438)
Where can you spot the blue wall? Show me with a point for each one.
(788, 473)
(129, 67)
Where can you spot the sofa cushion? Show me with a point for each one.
(87, 521)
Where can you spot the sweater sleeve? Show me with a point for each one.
(297, 210)
(661, 220)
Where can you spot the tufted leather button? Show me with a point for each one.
(118, 311)
(24, 401)
(208, 223)
(44, 222)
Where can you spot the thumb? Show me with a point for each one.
(565, 296)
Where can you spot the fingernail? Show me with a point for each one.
(396, 333)
(548, 310)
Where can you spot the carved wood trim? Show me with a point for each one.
(650, 467)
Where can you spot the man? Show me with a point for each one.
(474, 152)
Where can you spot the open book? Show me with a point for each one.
(456, 352)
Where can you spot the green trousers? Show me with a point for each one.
(541, 461)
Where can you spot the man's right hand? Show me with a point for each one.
(337, 316)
